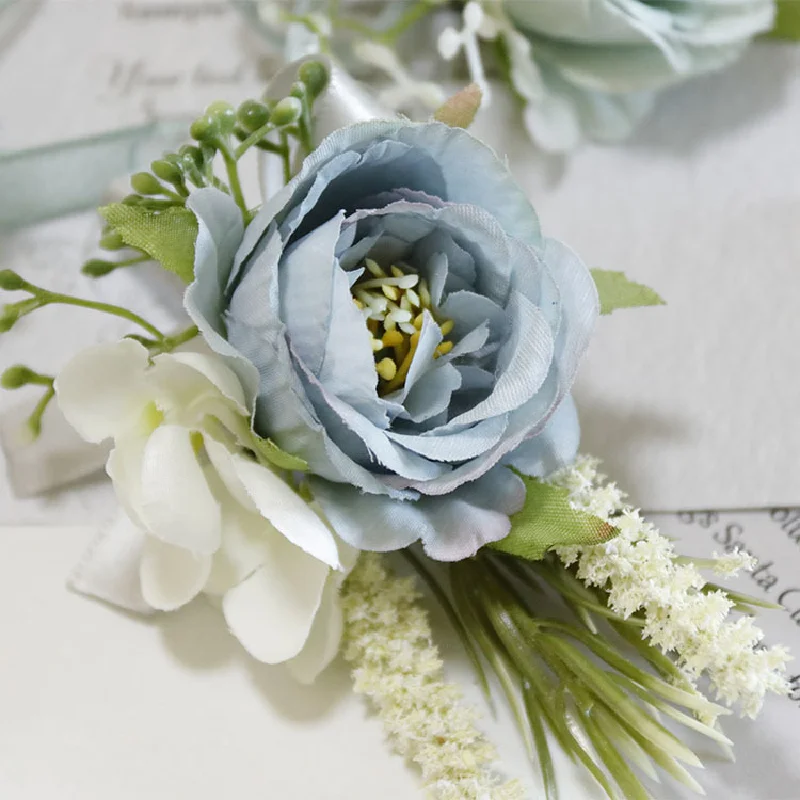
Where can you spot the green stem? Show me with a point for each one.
(232, 170)
(388, 36)
(54, 298)
(35, 419)
(270, 147)
(129, 262)
(252, 139)
(287, 164)
(174, 197)
(173, 342)
(413, 15)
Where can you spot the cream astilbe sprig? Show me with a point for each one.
(680, 613)
(388, 643)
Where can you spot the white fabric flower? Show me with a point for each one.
(201, 513)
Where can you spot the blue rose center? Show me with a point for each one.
(393, 302)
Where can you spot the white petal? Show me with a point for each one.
(102, 390)
(124, 467)
(171, 576)
(216, 373)
(177, 505)
(222, 460)
(245, 547)
(272, 611)
(324, 639)
(109, 570)
(287, 511)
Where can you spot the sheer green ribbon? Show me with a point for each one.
(46, 182)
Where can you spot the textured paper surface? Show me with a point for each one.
(171, 707)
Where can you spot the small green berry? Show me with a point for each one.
(17, 376)
(98, 267)
(252, 115)
(223, 114)
(205, 129)
(11, 281)
(314, 75)
(188, 153)
(112, 241)
(146, 184)
(167, 171)
(298, 90)
(286, 112)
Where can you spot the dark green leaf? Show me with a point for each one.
(548, 520)
(616, 291)
(166, 236)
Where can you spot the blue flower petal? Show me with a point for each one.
(307, 294)
(522, 365)
(451, 528)
(220, 229)
(432, 393)
(552, 449)
(439, 445)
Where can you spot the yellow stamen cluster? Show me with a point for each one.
(392, 304)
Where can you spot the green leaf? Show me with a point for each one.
(166, 236)
(459, 111)
(787, 22)
(267, 449)
(548, 520)
(616, 291)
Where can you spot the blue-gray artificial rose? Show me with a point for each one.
(592, 66)
(401, 325)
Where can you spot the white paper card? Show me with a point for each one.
(170, 707)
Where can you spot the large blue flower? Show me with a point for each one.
(403, 327)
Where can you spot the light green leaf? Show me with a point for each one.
(616, 291)
(166, 236)
(548, 520)
(267, 449)
(459, 111)
(787, 22)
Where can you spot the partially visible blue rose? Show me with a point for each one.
(403, 327)
(592, 67)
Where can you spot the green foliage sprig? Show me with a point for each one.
(153, 224)
(575, 675)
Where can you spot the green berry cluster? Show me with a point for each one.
(229, 132)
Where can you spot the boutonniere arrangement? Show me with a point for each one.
(580, 69)
(378, 358)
